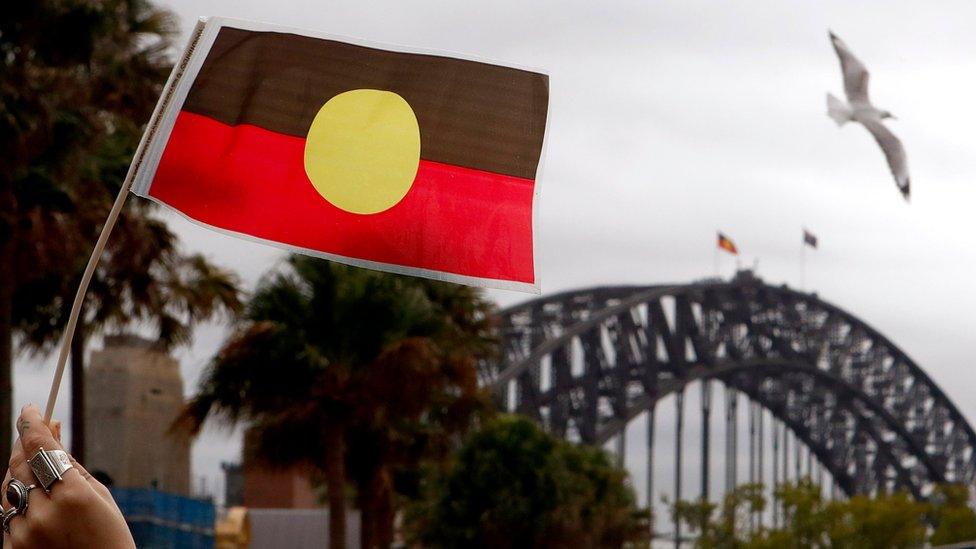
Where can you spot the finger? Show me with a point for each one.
(21, 471)
(32, 427)
(56, 430)
(6, 479)
(34, 433)
(16, 453)
(99, 488)
(38, 502)
(16, 458)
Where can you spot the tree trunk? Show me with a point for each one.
(6, 347)
(335, 481)
(366, 517)
(376, 508)
(383, 509)
(78, 392)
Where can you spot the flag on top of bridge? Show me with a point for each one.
(726, 244)
(809, 239)
(389, 159)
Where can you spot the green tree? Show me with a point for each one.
(729, 528)
(807, 516)
(512, 485)
(413, 402)
(954, 519)
(75, 76)
(886, 520)
(353, 372)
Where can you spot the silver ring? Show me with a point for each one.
(7, 516)
(18, 495)
(48, 466)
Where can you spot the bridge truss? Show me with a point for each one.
(584, 364)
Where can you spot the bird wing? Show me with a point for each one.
(894, 152)
(855, 73)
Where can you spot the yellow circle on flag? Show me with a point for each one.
(362, 150)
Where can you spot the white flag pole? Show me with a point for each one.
(69, 330)
(113, 217)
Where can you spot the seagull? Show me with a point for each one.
(859, 109)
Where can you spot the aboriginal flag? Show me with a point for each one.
(726, 244)
(406, 162)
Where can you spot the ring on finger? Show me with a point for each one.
(48, 466)
(18, 494)
(7, 516)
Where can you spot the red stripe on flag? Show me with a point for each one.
(251, 180)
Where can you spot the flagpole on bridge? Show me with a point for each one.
(809, 239)
(803, 266)
(715, 260)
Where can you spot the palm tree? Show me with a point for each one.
(76, 75)
(144, 278)
(332, 362)
(415, 401)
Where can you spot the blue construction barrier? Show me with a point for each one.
(159, 520)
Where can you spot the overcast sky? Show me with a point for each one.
(669, 120)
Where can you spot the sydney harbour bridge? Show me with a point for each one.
(862, 417)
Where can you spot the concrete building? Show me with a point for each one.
(135, 391)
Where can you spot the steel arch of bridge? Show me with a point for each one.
(584, 363)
